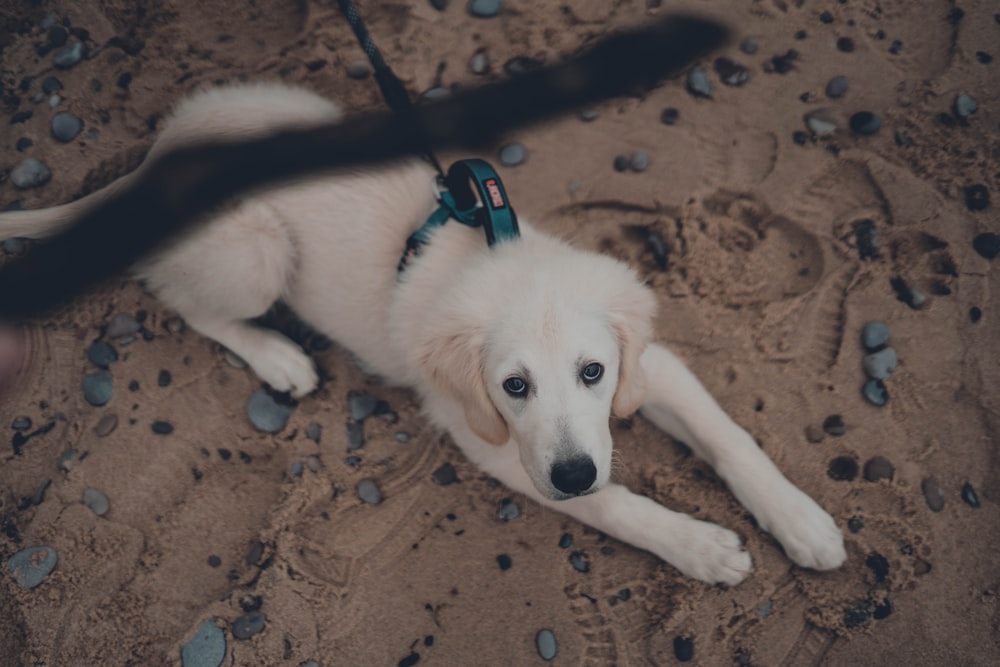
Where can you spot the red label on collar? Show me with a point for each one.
(496, 198)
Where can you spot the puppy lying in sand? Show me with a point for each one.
(522, 351)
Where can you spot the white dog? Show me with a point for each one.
(521, 351)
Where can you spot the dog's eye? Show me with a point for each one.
(592, 373)
(516, 387)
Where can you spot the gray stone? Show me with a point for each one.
(207, 648)
(508, 511)
(21, 423)
(932, 494)
(314, 431)
(698, 83)
(874, 336)
(402, 436)
(579, 561)
(479, 63)
(821, 122)
(359, 69)
(435, 94)
(97, 388)
(875, 392)
(836, 87)
(445, 475)
(368, 492)
(865, 122)
(32, 565)
(51, 84)
(639, 161)
(101, 354)
(96, 501)
(55, 101)
(266, 414)
(512, 155)
(30, 173)
(879, 467)
(362, 406)
(880, 365)
(355, 435)
(485, 9)
(248, 625)
(296, 469)
(121, 325)
(965, 105)
(68, 459)
(749, 46)
(545, 642)
(313, 463)
(106, 425)
(587, 114)
(68, 56)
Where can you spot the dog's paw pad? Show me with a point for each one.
(715, 555)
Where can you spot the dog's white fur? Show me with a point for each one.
(455, 325)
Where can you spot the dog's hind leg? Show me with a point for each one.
(680, 405)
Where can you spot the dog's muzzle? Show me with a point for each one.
(574, 477)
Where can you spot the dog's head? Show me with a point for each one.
(542, 351)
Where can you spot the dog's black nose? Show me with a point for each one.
(575, 476)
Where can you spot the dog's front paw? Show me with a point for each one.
(710, 553)
(283, 365)
(808, 534)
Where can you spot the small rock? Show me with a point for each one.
(313, 463)
(504, 561)
(313, 431)
(977, 197)
(875, 336)
(843, 469)
(879, 467)
(880, 365)
(749, 46)
(21, 423)
(121, 325)
(97, 388)
(983, 58)
(587, 114)
(969, 495)
(485, 9)
(369, 492)
(814, 433)
(580, 562)
(826, 17)
(359, 69)
(545, 642)
(55, 101)
(836, 87)
(683, 648)
(23, 144)
(964, 106)
(402, 436)
(865, 122)
(508, 510)
(445, 475)
(362, 406)
(521, 65)
(875, 392)
(39, 496)
(435, 94)
(911, 296)
(834, 425)
(858, 615)
(987, 245)
(66, 126)
(162, 428)
(855, 524)
(295, 470)
(248, 625)
(932, 494)
(882, 610)
(30, 173)
(206, 649)
(68, 56)
(896, 47)
(903, 140)
(68, 459)
(21, 116)
(698, 83)
(730, 72)
(639, 161)
(975, 314)
(30, 566)
(866, 238)
(101, 354)
(479, 63)
(669, 116)
(51, 84)
(355, 435)
(267, 414)
(96, 501)
(845, 45)
(57, 35)
(620, 163)
(512, 155)
(566, 541)
(782, 64)
(163, 378)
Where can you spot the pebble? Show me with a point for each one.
(121, 325)
(587, 114)
(21, 116)
(932, 494)
(845, 45)
(51, 84)
(479, 63)
(814, 433)
(782, 64)
(359, 69)
(545, 642)
(68, 56)
(639, 161)
(749, 46)
(698, 83)
(834, 425)
(163, 378)
(207, 648)
(97, 388)
(843, 469)
(174, 325)
(23, 144)
(512, 155)
(875, 393)
(55, 101)
(865, 122)
(875, 336)
(369, 492)
(96, 501)
(821, 122)
(911, 296)
(68, 459)
(266, 414)
(30, 173)
(882, 610)
(836, 87)
(162, 428)
(579, 561)
(362, 406)
(669, 116)
(866, 238)
(248, 625)
(485, 9)
(855, 524)
(445, 475)
(969, 495)
(826, 17)
(21, 423)
(313, 431)
(439, 5)
(566, 541)
(683, 648)
(313, 463)
(101, 354)
(965, 106)
(975, 314)
(295, 470)
(983, 57)
(880, 365)
(355, 435)
(521, 65)
(435, 94)
(402, 436)
(879, 565)
(505, 562)
(730, 72)
(508, 510)
(879, 467)
(30, 566)
(896, 47)
(977, 197)
(621, 163)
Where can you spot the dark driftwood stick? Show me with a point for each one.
(181, 186)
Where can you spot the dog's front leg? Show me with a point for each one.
(698, 549)
(680, 405)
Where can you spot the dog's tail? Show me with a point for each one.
(44, 222)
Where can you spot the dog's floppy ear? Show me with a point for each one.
(631, 315)
(455, 364)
